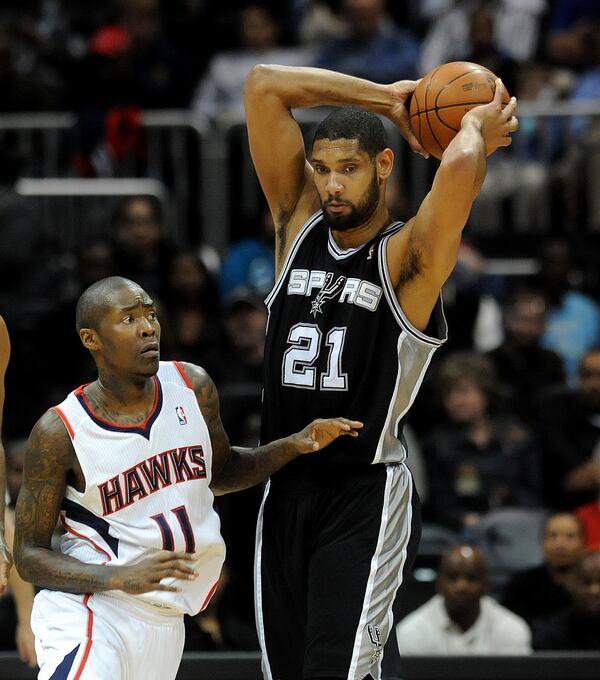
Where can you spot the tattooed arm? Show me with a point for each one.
(5, 556)
(235, 468)
(49, 462)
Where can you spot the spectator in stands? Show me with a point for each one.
(461, 619)
(237, 370)
(573, 319)
(572, 25)
(250, 262)
(516, 29)
(542, 591)
(524, 368)
(578, 626)
(132, 62)
(141, 250)
(192, 307)
(481, 458)
(569, 427)
(374, 47)
(589, 516)
(221, 90)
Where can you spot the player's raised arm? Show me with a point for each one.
(49, 461)
(235, 468)
(276, 142)
(5, 556)
(422, 256)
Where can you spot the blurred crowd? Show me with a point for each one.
(508, 418)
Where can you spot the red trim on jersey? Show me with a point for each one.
(85, 538)
(186, 380)
(211, 592)
(79, 392)
(88, 646)
(65, 420)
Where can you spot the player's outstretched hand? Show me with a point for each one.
(147, 574)
(497, 123)
(398, 114)
(323, 431)
(5, 564)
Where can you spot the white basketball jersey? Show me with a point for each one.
(146, 489)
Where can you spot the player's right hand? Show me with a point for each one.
(146, 575)
(496, 123)
(400, 93)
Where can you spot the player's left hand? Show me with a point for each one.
(323, 431)
(400, 92)
(5, 564)
(26, 644)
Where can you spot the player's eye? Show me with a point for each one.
(152, 316)
(128, 319)
(320, 170)
(349, 168)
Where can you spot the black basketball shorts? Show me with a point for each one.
(329, 560)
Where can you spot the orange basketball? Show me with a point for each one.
(443, 97)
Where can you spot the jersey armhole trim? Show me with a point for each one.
(308, 225)
(66, 423)
(184, 377)
(394, 305)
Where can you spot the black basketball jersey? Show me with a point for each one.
(338, 344)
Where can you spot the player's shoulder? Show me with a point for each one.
(196, 377)
(51, 439)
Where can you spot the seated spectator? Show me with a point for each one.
(192, 307)
(589, 516)
(573, 318)
(237, 369)
(374, 47)
(481, 458)
(578, 626)
(141, 251)
(461, 619)
(542, 591)
(524, 368)
(221, 90)
(569, 428)
(250, 262)
(572, 25)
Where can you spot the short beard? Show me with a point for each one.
(357, 215)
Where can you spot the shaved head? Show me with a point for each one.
(461, 556)
(97, 299)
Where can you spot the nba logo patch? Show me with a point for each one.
(181, 415)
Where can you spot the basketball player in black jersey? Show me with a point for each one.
(354, 318)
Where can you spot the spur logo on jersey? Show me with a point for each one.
(148, 476)
(352, 291)
(181, 415)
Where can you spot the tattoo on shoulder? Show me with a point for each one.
(206, 392)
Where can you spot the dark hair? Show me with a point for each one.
(95, 299)
(475, 368)
(352, 122)
(152, 201)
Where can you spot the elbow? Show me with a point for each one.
(258, 80)
(21, 562)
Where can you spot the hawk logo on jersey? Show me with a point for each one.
(181, 415)
(328, 292)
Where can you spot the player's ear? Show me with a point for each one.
(90, 339)
(384, 162)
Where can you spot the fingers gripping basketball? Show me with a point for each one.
(442, 98)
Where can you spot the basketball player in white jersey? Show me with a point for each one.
(5, 556)
(129, 463)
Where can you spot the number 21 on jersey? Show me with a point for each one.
(299, 370)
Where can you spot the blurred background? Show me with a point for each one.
(123, 151)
